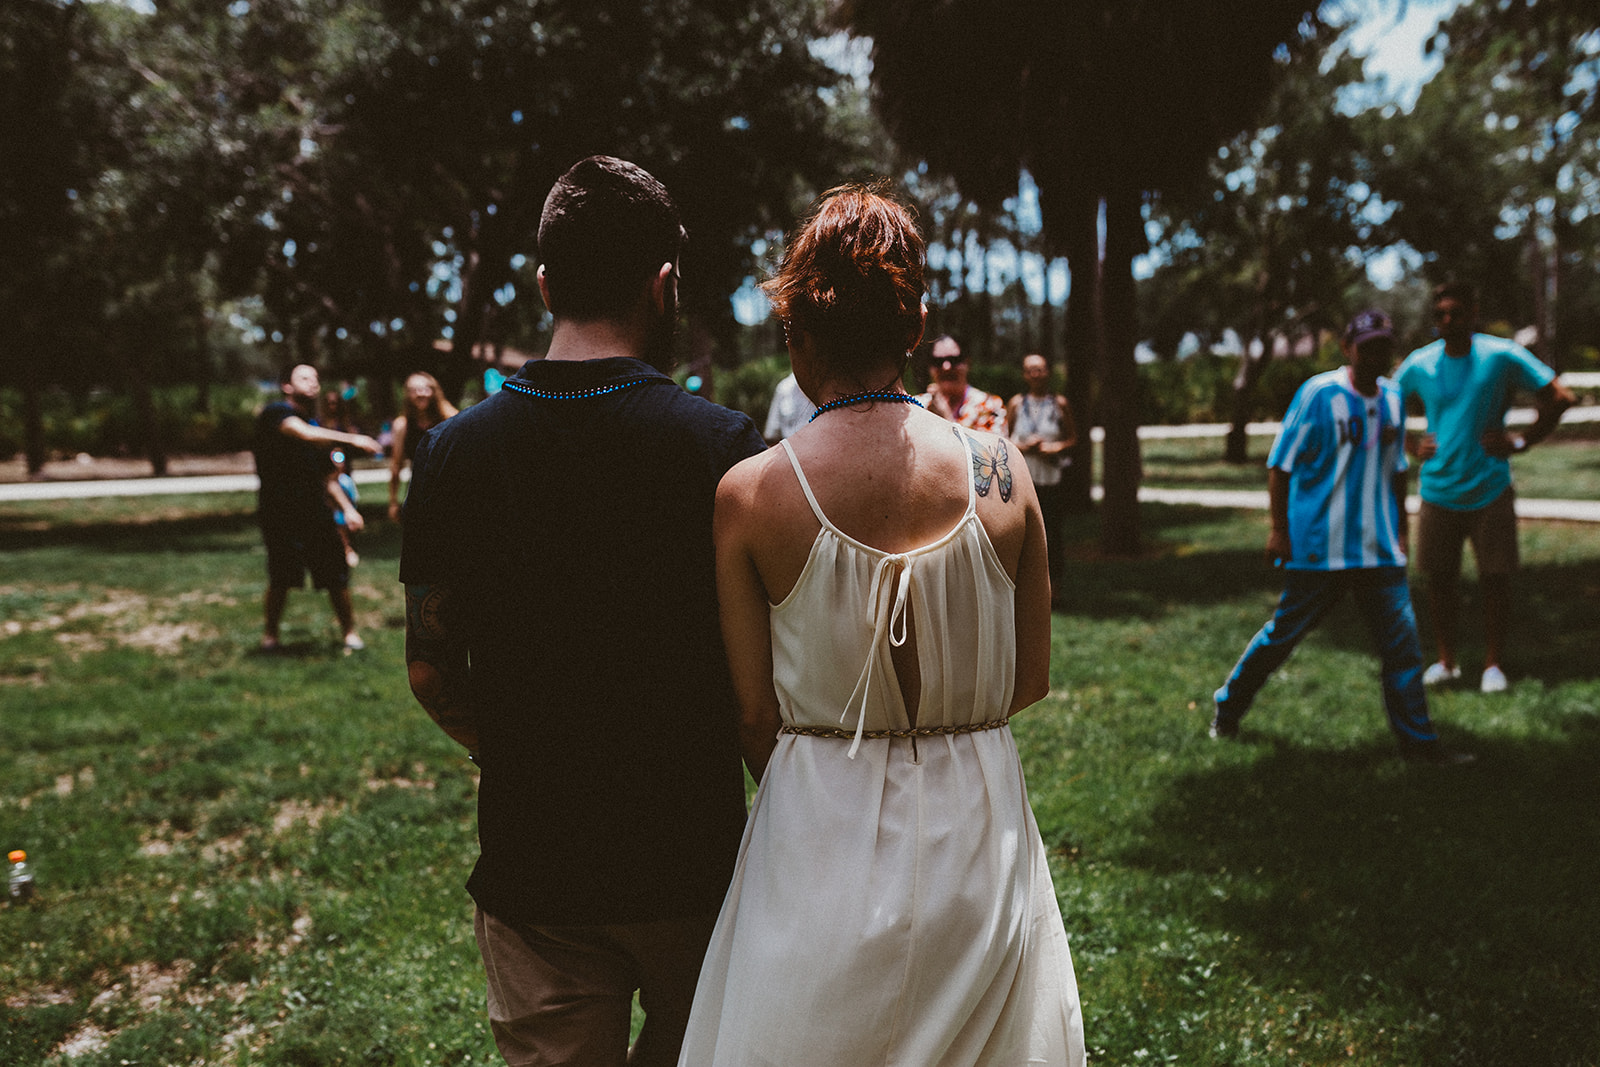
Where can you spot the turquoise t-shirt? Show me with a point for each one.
(1465, 396)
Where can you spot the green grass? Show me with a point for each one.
(1303, 896)
(1567, 466)
(240, 859)
(252, 860)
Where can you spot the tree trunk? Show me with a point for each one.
(32, 424)
(1082, 244)
(1236, 448)
(1120, 533)
(470, 312)
(984, 304)
(1541, 287)
(150, 441)
(202, 339)
(1047, 321)
(1559, 234)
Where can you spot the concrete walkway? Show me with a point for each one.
(1414, 424)
(204, 483)
(1565, 510)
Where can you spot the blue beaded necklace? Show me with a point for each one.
(517, 386)
(856, 398)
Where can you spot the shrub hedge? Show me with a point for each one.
(103, 423)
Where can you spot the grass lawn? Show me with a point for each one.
(1566, 467)
(253, 860)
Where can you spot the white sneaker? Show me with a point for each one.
(1438, 674)
(1494, 680)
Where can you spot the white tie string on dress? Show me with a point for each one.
(889, 614)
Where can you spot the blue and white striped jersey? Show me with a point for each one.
(1341, 451)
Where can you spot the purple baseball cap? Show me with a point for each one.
(1367, 325)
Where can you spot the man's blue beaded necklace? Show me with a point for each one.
(856, 398)
(517, 386)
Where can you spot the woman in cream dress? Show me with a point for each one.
(885, 605)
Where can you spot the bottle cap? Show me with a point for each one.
(16, 855)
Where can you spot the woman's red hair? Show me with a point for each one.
(852, 277)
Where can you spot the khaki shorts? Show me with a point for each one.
(1492, 529)
(564, 994)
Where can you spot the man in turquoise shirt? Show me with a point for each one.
(1465, 381)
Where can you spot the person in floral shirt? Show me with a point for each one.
(949, 394)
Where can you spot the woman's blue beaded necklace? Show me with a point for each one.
(518, 386)
(856, 398)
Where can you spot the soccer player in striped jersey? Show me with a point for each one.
(1336, 479)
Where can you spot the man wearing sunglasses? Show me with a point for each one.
(950, 396)
(1465, 382)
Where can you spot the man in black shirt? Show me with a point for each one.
(558, 539)
(295, 502)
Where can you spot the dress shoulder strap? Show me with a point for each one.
(971, 445)
(805, 486)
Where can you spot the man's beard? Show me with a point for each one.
(660, 347)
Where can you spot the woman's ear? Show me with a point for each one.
(915, 337)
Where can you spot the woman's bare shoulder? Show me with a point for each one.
(749, 480)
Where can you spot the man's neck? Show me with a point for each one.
(955, 394)
(1365, 384)
(594, 339)
(1458, 347)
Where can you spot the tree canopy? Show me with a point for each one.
(1102, 102)
(366, 176)
(1495, 174)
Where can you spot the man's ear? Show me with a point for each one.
(544, 288)
(664, 281)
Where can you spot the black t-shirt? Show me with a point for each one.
(293, 473)
(576, 534)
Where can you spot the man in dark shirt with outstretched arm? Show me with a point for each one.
(561, 624)
(296, 501)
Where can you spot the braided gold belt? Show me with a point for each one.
(914, 731)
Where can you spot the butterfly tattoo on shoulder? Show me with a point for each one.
(991, 465)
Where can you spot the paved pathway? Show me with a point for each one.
(203, 483)
(1568, 510)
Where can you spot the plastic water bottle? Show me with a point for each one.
(20, 877)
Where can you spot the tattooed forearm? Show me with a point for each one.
(436, 664)
(425, 605)
(991, 465)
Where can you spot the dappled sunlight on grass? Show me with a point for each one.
(260, 859)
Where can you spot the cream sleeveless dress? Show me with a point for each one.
(892, 903)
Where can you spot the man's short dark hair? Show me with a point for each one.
(1464, 293)
(606, 228)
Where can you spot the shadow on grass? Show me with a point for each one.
(1555, 604)
(1553, 630)
(1184, 561)
(1462, 896)
(196, 532)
